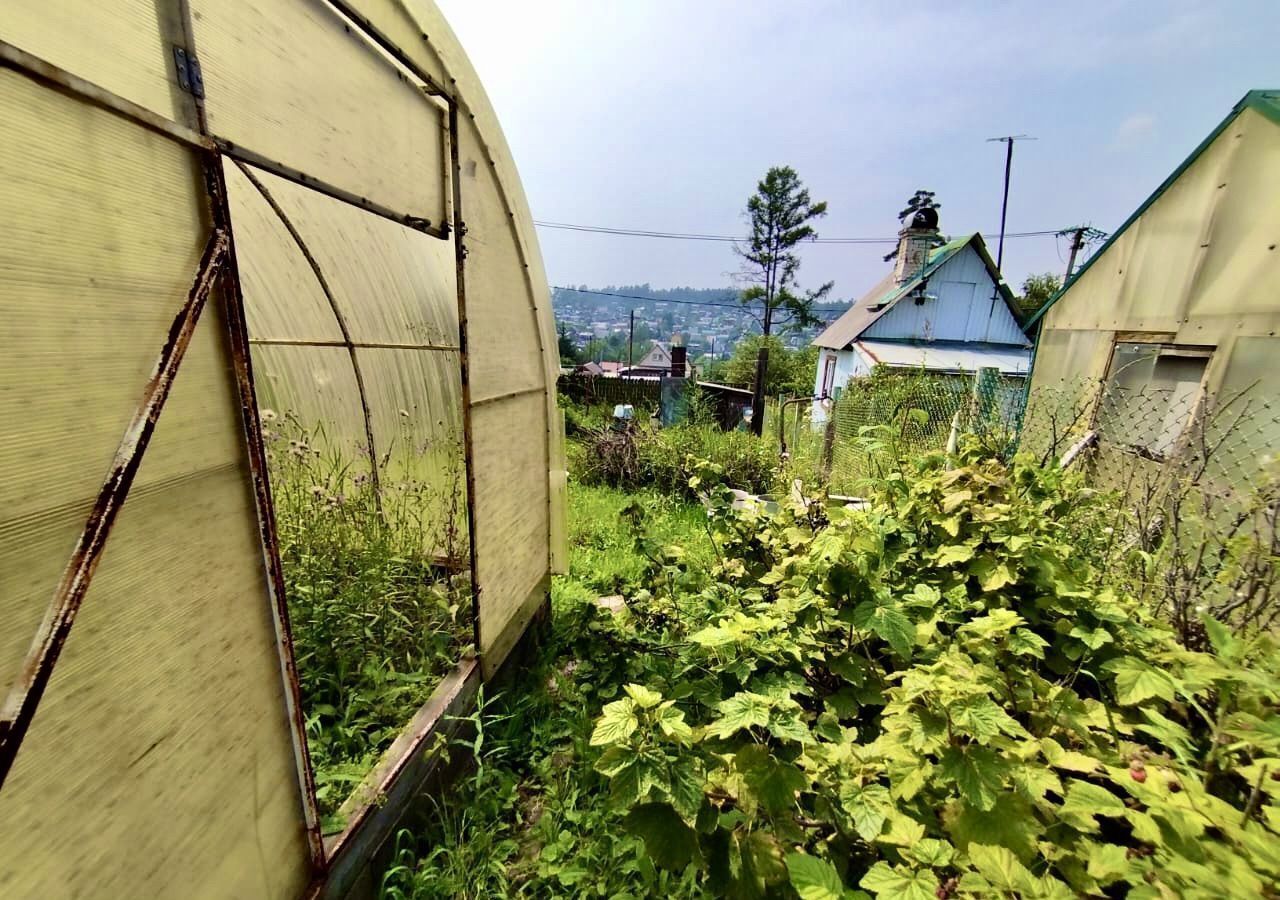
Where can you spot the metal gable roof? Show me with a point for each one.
(884, 296)
(1265, 102)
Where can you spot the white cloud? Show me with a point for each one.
(1133, 131)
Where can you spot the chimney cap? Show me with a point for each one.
(924, 219)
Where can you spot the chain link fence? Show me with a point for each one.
(1195, 475)
(879, 421)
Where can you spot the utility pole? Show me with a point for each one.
(631, 338)
(1077, 244)
(1004, 204)
(1081, 237)
(757, 393)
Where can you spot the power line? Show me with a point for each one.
(738, 306)
(728, 238)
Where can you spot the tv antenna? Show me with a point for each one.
(1009, 140)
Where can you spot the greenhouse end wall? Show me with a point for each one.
(223, 218)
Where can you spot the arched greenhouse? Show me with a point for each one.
(283, 467)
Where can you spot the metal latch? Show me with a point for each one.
(189, 77)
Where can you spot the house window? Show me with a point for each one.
(829, 375)
(1153, 393)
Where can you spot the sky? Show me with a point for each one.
(663, 115)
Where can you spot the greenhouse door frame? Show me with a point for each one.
(333, 868)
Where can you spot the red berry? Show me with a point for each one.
(1138, 775)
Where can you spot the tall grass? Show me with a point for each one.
(531, 822)
(378, 605)
(644, 456)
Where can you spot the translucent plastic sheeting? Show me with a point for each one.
(512, 513)
(559, 486)
(1198, 261)
(1069, 358)
(102, 236)
(282, 296)
(165, 720)
(125, 47)
(1241, 266)
(500, 303)
(395, 21)
(492, 198)
(290, 82)
(312, 398)
(415, 406)
(392, 284)
(1249, 386)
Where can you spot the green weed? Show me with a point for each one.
(377, 605)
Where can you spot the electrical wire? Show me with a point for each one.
(725, 238)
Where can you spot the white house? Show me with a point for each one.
(943, 309)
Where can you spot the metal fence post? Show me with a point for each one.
(828, 443)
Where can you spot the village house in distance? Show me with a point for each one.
(944, 308)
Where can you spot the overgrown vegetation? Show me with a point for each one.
(531, 821)
(790, 372)
(644, 456)
(939, 695)
(376, 614)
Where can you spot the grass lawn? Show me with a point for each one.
(602, 557)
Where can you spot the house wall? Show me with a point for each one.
(849, 365)
(963, 311)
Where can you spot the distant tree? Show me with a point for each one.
(779, 214)
(570, 355)
(712, 369)
(1036, 292)
(790, 371)
(921, 199)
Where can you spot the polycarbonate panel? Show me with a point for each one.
(101, 238)
(415, 405)
(160, 759)
(392, 284)
(292, 83)
(1241, 266)
(505, 345)
(559, 486)
(1147, 279)
(283, 298)
(1073, 359)
(1249, 386)
(394, 20)
(512, 510)
(491, 189)
(121, 46)
(310, 396)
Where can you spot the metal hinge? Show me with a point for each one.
(189, 77)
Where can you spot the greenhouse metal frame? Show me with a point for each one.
(200, 195)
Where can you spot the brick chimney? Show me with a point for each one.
(677, 361)
(914, 243)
